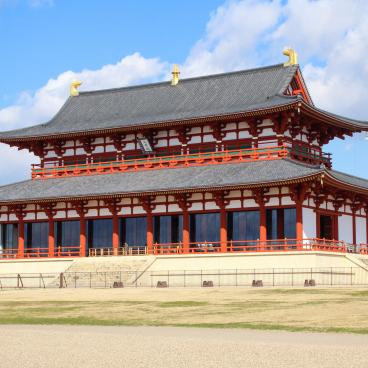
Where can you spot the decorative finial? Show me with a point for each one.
(175, 75)
(74, 88)
(293, 56)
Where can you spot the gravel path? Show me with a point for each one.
(135, 347)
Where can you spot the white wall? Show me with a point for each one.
(346, 228)
(309, 223)
(361, 230)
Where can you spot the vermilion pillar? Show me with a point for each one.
(262, 223)
(186, 232)
(223, 230)
(51, 242)
(115, 233)
(354, 228)
(20, 238)
(82, 237)
(299, 220)
(149, 233)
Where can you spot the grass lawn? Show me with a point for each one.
(324, 310)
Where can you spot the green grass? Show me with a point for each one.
(338, 310)
(182, 303)
(86, 321)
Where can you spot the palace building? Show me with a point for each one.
(225, 163)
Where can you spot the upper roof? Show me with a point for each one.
(194, 98)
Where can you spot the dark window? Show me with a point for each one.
(67, 233)
(9, 236)
(168, 229)
(99, 233)
(36, 235)
(205, 227)
(281, 223)
(326, 227)
(243, 225)
(133, 231)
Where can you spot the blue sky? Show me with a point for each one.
(47, 43)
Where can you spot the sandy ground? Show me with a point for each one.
(332, 310)
(136, 347)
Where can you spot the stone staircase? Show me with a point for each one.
(104, 272)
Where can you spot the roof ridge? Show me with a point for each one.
(185, 80)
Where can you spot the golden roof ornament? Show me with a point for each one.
(74, 88)
(175, 75)
(293, 56)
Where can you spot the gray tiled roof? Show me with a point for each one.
(207, 96)
(349, 179)
(218, 176)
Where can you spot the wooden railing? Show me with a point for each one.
(152, 163)
(70, 251)
(8, 253)
(276, 245)
(239, 246)
(184, 160)
(127, 251)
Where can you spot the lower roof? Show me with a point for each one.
(163, 180)
(195, 178)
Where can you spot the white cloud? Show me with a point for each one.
(40, 106)
(234, 37)
(43, 104)
(331, 37)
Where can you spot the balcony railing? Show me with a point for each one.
(239, 246)
(184, 160)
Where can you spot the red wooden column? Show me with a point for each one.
(262, 223)
(149, 232)
(20, 238)
(299, 220)
(223, 230)
(114, 207)
(82, 236)
(50, 212)
(354, 228)
(355, 207)
(260, 198)
(186, 232)
(182, 201)
(80, 208)
(221, 201)
(51, 252)
(115, 233)
(148, 205)
(298, 194)
(18, 211)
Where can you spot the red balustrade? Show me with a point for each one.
(239, 246)
(277, 245)
(152, 163)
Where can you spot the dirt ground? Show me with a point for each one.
(173, 347)
(325, 310)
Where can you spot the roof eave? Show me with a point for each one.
(330, 179)
(333, 119)
(210, 118)
(297, 180)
